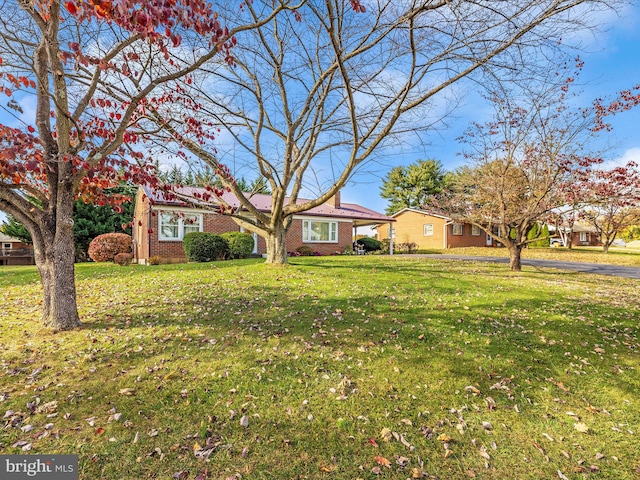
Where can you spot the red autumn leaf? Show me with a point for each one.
(31, 129)
(71, 8)
(99, 431)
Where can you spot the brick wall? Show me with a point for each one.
(466, 239)
(345, 239)
(147, 243)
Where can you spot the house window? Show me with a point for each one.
(428, 229)
(475, 230)
(456, 229)
(174, 226)
(318, 231)
(6, 246)
(583, 236)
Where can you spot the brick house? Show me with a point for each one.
(14, 252)
(432, 230)
(159, 224)
(582, 236)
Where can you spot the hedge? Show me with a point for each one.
(204, 247)
(240, 244)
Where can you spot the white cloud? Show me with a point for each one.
(629, 155)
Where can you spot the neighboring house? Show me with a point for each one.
(161, 224)
(583, 236)
(431, 230)
(14, 252)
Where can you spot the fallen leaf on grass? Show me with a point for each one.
(386, 434)
(380, 460)
(127, 391)
(327, 468)
(581, 427)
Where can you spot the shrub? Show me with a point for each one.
(407, 247)
(123, 259)
(188, 240)
(207, 247)
(106, 246)
(305, 251)
(155, 260)
(369, 244)
(240, 244)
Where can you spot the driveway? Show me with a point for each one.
(596, 268)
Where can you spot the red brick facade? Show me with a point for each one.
(147, 244)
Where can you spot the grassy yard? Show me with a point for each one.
(616, 256)
(333, 368)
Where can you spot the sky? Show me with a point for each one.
(612, 63)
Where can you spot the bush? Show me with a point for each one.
(106, 246)
(240, 244)
(155, 260)
(123, 259)
(305, 251)
(188, 240)
(369, 244)
(205, 247)
(407, 247)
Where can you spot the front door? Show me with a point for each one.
(489, 240)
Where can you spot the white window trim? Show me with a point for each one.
(427, 232)
(453, 229)
(181, 224)
(583, 236)
(476, 231)
(320, 220)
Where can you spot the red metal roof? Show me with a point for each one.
(263, 203)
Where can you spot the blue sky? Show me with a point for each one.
(612, 63)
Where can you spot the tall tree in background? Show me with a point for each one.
(93, 70)
(315, 95)
(411, 186)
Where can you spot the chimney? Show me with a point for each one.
(335, 200)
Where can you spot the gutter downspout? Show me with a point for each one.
(444, 233)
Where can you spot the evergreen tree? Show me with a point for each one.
(411, 186)
(15, 229)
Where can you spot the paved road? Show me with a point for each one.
(597, 268)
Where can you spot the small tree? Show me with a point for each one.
(614, 201)
(93, 71)
(522, 162)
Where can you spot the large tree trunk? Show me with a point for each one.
(277, 245)
(54, 256)
(515, 262)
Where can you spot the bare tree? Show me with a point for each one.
(316, 93)
(523, 165)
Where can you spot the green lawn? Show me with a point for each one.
(335, 367)
(615, 256)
